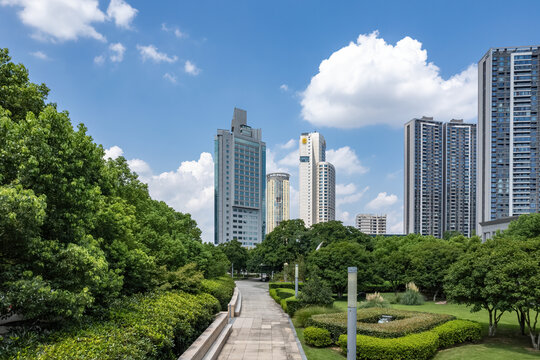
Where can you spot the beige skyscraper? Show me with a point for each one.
(277, 200)
(317, 181)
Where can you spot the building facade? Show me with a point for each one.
(371, 224)
(508, 175)
(277, 200)
(459, 177)
(326, 192)
(239, 183)
(439, 184)
(423, 177)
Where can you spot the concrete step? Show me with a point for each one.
(215, 350)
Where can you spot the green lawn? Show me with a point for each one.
(508, 344)
(316, 353)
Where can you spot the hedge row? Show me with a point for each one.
(286, 299)
(405, 323)
(284, 285)
(457, 332)
(221, 288)
(152, 326)
(415, 346)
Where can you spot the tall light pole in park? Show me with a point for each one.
(296, 280)
(285, 271)
(351, 313)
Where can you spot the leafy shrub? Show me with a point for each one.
(316, 292)
(187, 278)
(302, 315)
(411, 297)
(221, 288)
(406, 322)
(317, 337)
(374, 300)
(284, 285)
(153, 326)
(414, 347)
(291, 305)
(273, 295)
(284, 293)
(457, 332)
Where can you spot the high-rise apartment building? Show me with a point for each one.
(317, 181)
(423, 177)
(277, 200)
(439, 177)
(240, 183)
(459, 177)
(371, 224)
(326, 192)
(508, 136)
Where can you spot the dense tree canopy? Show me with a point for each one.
(77, 230)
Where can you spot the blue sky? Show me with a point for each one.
(154, 80)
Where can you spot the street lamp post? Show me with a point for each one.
(296, 281)
(351, 313)
(285, 271)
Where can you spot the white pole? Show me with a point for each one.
(351, 314)
(296, 281)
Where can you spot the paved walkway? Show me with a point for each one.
(262, 331)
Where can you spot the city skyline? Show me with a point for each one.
(151, 84)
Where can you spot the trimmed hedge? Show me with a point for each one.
(222, 288)
(284, 293)
(291, 305)
(304, 314)
(317, 337)
(411, 347)
(152, 326)
(406, 322)
(285, 285)
(457, 332)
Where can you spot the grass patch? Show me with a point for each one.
(487, 351)
(318, 353)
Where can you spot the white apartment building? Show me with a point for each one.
(317, 181)
(371, 224)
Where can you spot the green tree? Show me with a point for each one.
(430, 260)
(326, 233)
(471, 281)
(236, 253)
(17, 94)
(331, 263)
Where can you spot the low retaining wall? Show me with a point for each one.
(208, 345)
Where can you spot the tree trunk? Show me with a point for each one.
(435, 295)
(535, 338)
(521, 320)
(492, 327)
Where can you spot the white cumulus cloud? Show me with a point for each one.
(345, 161)
(99, 60)
(175, 30)
(118, 51)
(113, 152)
(373, 82)
(284, 87)
(351, 198)
(191, 68)
(170, 77)
(60, 20)
(342, 189)
(40, 55)
(382, 200)
(150, 52)
(289, 144)
(122, 13)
